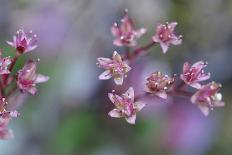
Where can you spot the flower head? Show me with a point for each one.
(125, 106)
(4, 132)
(27, 78)
(115, 67)
(208, 97)
(194, 74)
(158, 84)
(165, 36)
(125, 34)
(4, 63)
(23, 42)
(3, 109)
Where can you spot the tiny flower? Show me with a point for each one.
(194, 74)
(27, 78)
(3, 109)
(4, 132)
(165, 36)
(208, 97)
(114, 67)
(158, 84)
(4, 63)
(125, 106)
(125, 34)
(24, 42)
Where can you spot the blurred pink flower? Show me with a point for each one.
(115, 68)
(192, 75)
(3, 109)
(27, 78)
(158, 84)
(165, 36)
(4, 63)
(125, 106)
(4, 132)
(24, 42)
(125, 34)
(208, 97)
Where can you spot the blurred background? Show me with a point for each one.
(69, 114)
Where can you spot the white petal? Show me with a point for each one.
(164, 47)
(139, 105)
(219, 104)
(111, 97)
(117, 42)
(140, 32)
(156, 39)
(162, 94)
(130, 93)
(32, 90)
(41, 78)
(176, 41)
(196, 85)
(115, 113)
(119, 80)
(105, 75)
(104, 61)
(117, 56)
(204, 109)
(131, 119)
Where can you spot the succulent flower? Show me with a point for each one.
(125, 106)
(27, 78)
(126, 34)
(4, 63)
(3, 109)
(4, 132)
(114, 67)
(208, 97)
(165, 36)
(24, 42)
(158, 84)
(194, 74)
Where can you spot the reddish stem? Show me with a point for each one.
(139, 51)
(5, 77)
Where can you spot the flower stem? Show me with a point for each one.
(139, 51)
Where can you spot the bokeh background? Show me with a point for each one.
(69, 114)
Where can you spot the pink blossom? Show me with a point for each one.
(4, 132)
(114, 67)
(3, 109)
(125, 34)
(158, 84)
(208, 97)
(194, 74)
(125, 106)
(4, 63)
(27, 78)
(165, 36)
(24, 42)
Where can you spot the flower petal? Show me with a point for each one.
(131, 119)
(164, 47)
(119, 80)
(195, 85)
(105, 75)
(130, 94)
(115, 113)
(41, 78)
(139, 105)
(204, 109)
(117, 56)
(162, 94)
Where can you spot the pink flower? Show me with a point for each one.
(194, 74)
(23, 42)
(165, 36)
(4, 63)
(125, 106)
(3, 109)
(4, 132)
(115, 67)
(27, 78)
(208, 97)
(159, 84)
(125, 34)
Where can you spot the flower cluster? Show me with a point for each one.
(205, 96)
(24, 79)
